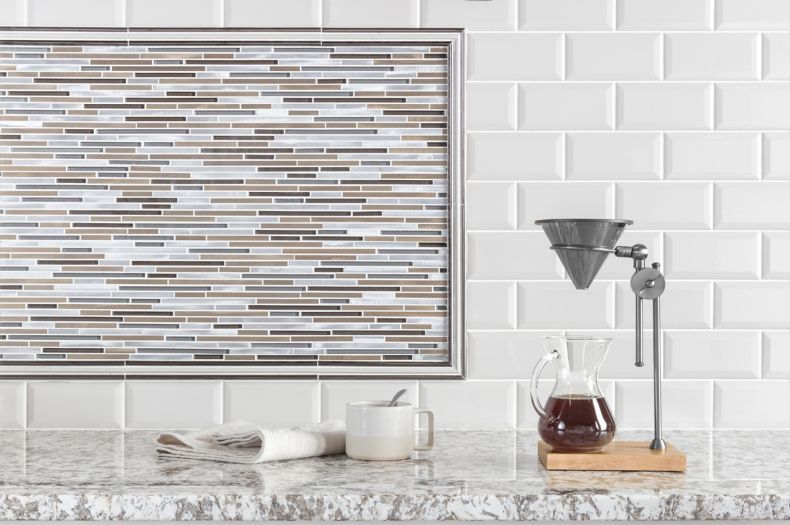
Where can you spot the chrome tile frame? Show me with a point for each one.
(456, 364)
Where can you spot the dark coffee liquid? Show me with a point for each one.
(577, 423)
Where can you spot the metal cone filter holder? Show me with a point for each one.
(582, 245)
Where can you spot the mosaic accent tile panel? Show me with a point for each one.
(175, 203)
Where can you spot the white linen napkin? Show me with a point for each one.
(242, 442)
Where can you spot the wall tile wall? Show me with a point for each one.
(677, 114)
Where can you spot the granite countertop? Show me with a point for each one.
(470, 475)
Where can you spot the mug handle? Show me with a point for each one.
(429, 443)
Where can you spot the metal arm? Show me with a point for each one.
(648, 284)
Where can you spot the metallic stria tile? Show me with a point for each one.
(185, 203)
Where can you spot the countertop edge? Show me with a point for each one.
(391, 507)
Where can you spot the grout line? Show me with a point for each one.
(615, 11)
(662, 156)
(25, 417)
(713, 306)
(712, 108)
(517, 90)
(564, 56)
(761, 157)
(123, 404)
(760, 56)
(221, 15)
(222, 401)
(662, 54)
(762, 259)
(564, 158)
(760, 357)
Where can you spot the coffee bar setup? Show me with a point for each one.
(315, 260)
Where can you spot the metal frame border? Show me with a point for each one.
(455, 367)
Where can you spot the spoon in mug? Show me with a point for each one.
(396, 397)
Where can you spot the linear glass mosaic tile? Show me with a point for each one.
(229, 203)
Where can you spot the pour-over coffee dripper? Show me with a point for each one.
(583, 245)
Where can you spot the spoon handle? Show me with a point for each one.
(396, 397)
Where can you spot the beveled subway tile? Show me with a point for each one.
(195, 202)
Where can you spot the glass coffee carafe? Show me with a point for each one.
(575, 417)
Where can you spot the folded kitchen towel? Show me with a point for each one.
(242, 442)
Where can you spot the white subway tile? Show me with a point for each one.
(687, 15)
(761, 304)
(686, 404)
(515, 156)
(75, 404)
(163, 404)
(504, 355)
(490, 106)
(776, 255)
(490, 305)
(12, 404)
(752, 14)
(565, 106)
(491, 205)
(623, 267)
(753, 205)
(619, 362)
(539, 56)
(566, 14)
(614, 156)
(174, 13)
(753, 106)
(711, 354)
(511, 255)
(527, 417)
(335, 394)
(684, 304)
(544, 200)
(272, 404)
(712, 56)
(615, 56)
(272, 13)
(371, 13)
(79, 13)
(712, 255)
(716, 156)
(751, 404)
(776, 156)
(664, 106)
(776, 355)
(776, 56)
(665, 205)
(13, 13)
(471, 404)
(558, 305)
(492, 15)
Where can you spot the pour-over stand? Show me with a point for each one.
(582, 246)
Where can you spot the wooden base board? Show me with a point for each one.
(619, 455)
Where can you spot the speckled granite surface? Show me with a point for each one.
(479, 475)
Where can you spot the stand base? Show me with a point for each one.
(619, 455)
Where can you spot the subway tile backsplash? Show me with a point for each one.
(699, 157)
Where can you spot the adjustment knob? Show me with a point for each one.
(648, 283)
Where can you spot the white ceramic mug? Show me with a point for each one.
(380, 432)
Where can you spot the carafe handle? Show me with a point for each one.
(533, 384)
